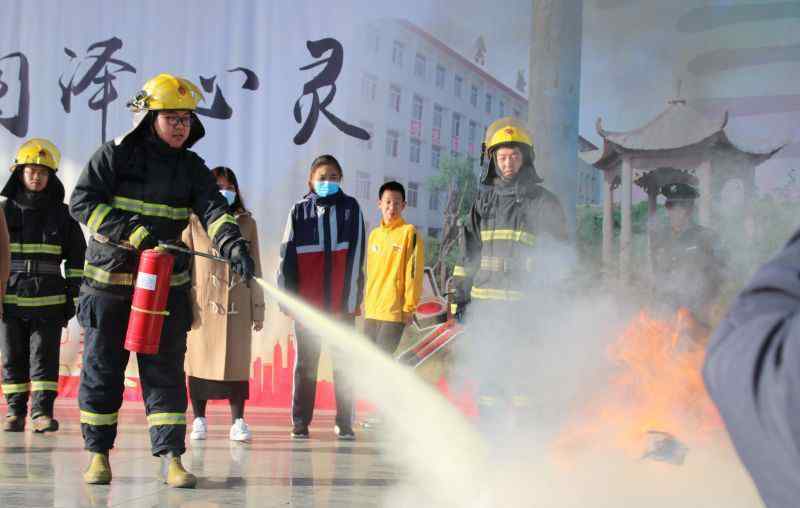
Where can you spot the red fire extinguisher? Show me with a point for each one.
(148, 309)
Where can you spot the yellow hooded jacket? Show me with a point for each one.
(395, 265)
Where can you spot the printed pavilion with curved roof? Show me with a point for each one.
(678, 145)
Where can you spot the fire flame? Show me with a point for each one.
(656, 387)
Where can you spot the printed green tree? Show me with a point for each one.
(458, 183)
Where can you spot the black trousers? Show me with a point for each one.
(305, 380)
(385, 334)
(105, 322)
(31, 350)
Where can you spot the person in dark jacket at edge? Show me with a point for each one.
(38, 302)
(136, 191)
(510, 218)
(753, 375)
(322, 262)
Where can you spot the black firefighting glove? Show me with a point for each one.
(241, 262)
(459, 311)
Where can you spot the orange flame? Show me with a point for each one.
(657, 385)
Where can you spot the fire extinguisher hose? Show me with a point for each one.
(176, 248)
(167, 246)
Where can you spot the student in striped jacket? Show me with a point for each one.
(322, 258)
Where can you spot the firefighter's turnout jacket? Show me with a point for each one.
(499, 241)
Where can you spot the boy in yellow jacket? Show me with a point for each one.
(395, 265)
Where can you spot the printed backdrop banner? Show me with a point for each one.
(266, 69)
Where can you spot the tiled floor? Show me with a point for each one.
(45, 470)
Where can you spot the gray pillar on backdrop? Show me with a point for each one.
(554, 96)
(626, 235)
(704, 174)
(608, 219)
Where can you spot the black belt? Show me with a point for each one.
(35, 266)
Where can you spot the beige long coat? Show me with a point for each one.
(220, 341)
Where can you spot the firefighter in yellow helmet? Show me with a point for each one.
(39, 301)
(511, 215)
(136, 192)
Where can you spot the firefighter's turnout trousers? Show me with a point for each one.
(105, 321)
(30, 349)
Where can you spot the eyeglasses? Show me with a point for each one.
(175, 120)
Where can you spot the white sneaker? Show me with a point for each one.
(240, 431)
(199, 428)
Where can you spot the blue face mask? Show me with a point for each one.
(324, 188)
(229, 195)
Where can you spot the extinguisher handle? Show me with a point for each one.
(176, 248)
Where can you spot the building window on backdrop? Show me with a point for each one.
(397, 53)
(434, 232)
(458, 85)
(417, 108)
(438, 113)
(419, 65)
(363, 185)
(488, 104)
(394, 98)
(413, 191)
(456, 127)
(440, 76)
(370, 128)
(415, 150)
(392, 142)
(433, 200)
(369, 87)
(473, 96)
(472, 135)
(436, 156)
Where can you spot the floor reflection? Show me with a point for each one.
(273, 470)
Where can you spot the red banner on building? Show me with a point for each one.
(416, 129)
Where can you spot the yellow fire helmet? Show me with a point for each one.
(37, 151)
(506, 130)
(166, 91)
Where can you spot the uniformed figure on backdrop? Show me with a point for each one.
(135, 192)
(688, 262)
(510, 217)
(39, 299)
